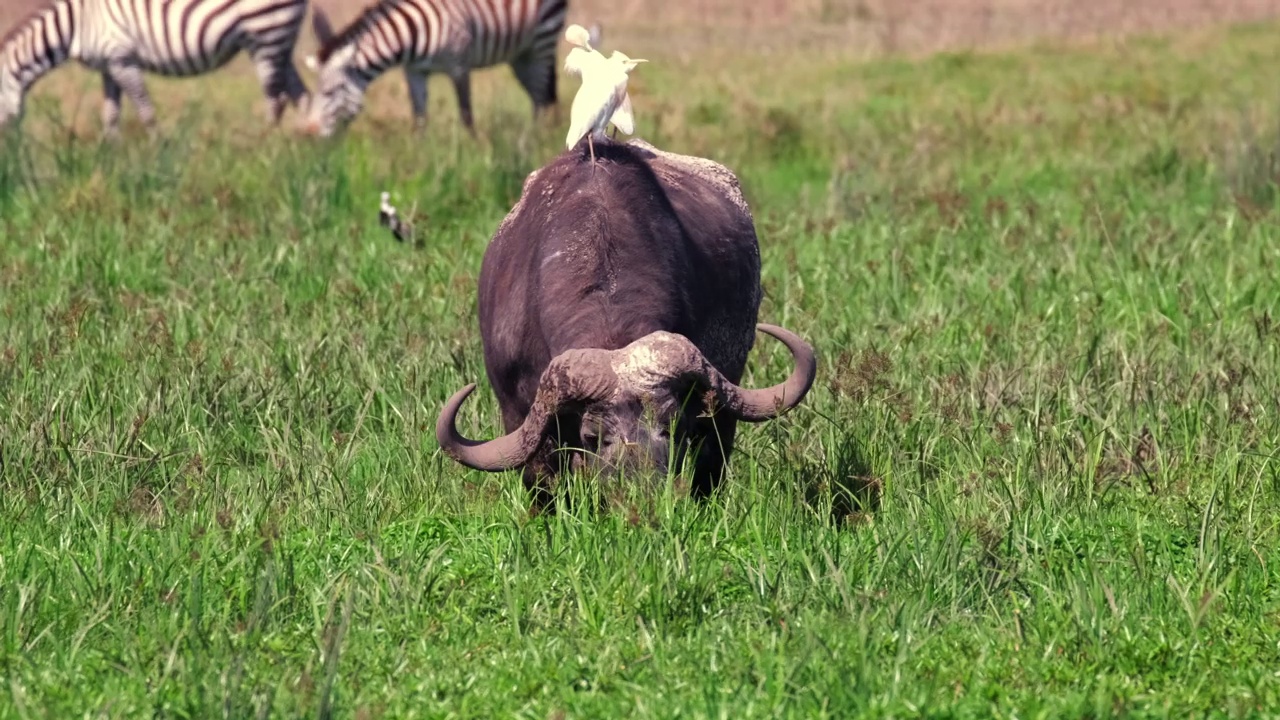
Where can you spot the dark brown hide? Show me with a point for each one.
(599, 256)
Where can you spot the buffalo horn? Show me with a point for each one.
(572, 377)
(758, 405)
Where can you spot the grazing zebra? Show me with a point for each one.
(426, 36)
(123, 38)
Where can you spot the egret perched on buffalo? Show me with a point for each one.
(603, 96)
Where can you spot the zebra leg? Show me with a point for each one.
(110, 107)
(538, 78)
(462, 84)
(417, 83)
(129, 78)
(273, 74)
(295, 88)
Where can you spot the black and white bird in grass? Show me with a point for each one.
(389, 218)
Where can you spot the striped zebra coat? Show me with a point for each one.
(425, 36)
(122, 39)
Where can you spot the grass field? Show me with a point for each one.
(1038, 475)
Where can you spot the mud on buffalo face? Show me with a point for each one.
(627, 404)
(633, 429)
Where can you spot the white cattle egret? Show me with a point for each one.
(578, 36)
(602, 97)
(584, 54)
(578, 58)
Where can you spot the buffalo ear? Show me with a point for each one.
(692, 396)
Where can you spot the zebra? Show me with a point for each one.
(123, 38)
(426, 36)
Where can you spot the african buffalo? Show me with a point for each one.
(618, 304)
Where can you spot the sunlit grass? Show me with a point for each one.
(1037, 475)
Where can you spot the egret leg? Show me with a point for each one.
(592, 148)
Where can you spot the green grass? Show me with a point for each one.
(1038, 475)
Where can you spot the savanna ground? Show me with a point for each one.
(1037, 476)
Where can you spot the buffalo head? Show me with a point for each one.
(628, 404)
